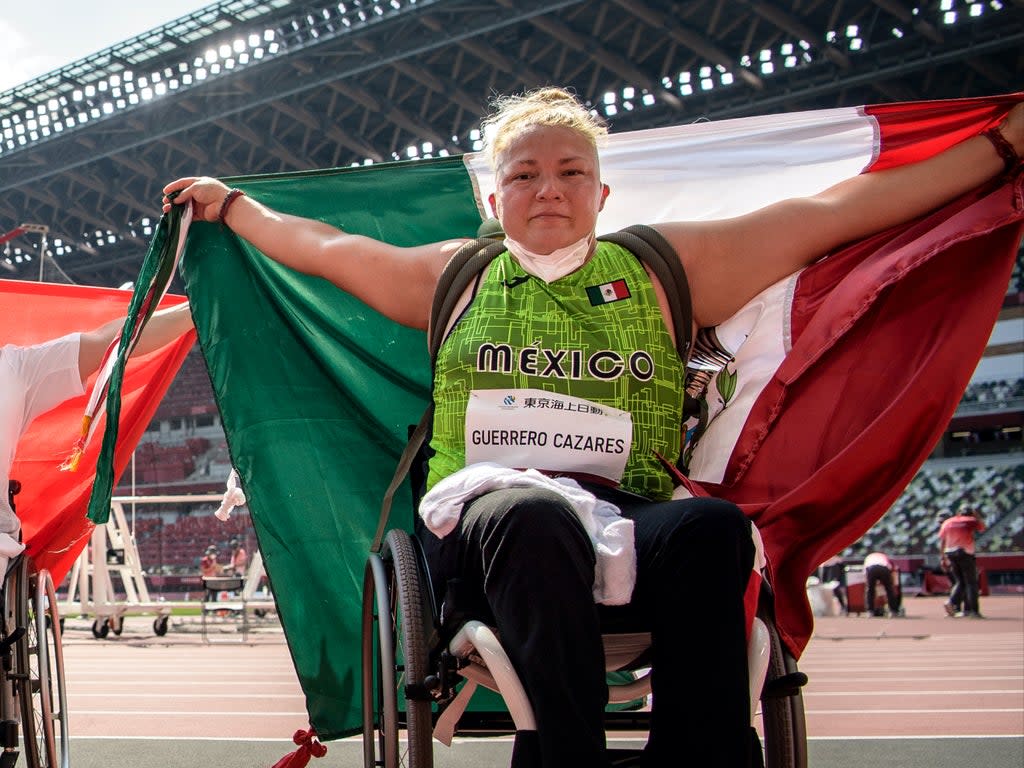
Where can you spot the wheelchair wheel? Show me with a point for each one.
(15, 594)
(782, 708)
(396, 625)
(40, 664)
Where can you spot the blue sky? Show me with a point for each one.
(37, 36)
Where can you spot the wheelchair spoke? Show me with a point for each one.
(394, 659)
(781, 708)
(40, 664)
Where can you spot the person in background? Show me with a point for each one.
(950, 607)
(209, 568)
(879, 569)
(519, 552)
(956, 538)
(833, 570)
(36, 378)
(239, 558)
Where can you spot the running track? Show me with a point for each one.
(924, 690)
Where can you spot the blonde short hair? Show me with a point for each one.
(515, 114)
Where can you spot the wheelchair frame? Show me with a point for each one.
(409, 680)
(33, 699)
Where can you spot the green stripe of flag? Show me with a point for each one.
(316, 390)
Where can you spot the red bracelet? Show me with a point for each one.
(1004, 148)
(232, 195)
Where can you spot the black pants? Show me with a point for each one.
(880, 574)
(965, 580)
(524, 562)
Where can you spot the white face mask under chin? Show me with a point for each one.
(551, 266)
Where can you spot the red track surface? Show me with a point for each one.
(923, 675)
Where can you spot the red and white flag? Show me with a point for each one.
(52, 504)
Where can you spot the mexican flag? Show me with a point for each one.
(840, 380)
(606, 293)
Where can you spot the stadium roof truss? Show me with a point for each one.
(263, 86)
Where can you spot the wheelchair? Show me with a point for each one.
(411, 675)
(33, 698)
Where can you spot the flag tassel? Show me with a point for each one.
(309, 746)
(78, 450)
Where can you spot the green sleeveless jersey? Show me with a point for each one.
(596, 334)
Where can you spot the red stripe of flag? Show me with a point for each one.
(915, 130)
(886, 335)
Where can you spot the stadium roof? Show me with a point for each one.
(262, 86)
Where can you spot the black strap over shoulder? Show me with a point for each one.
(461, 270)
(646, 243)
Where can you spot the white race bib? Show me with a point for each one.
(533, 429)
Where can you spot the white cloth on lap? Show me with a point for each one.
(610, 532)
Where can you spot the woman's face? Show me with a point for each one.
(549, 190)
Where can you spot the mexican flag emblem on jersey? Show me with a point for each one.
(617, 290)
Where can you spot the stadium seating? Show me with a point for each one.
(176, 546)
(911, 524)
(190, 394)
(994, 392)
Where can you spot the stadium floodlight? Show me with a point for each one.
(230, 35)
(83, 81)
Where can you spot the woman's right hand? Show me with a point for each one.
(205, 193)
